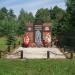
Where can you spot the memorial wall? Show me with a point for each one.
(37, 35)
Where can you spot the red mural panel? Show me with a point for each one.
(28, 38)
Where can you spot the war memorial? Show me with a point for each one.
(37, 35)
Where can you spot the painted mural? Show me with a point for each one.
(39, 37)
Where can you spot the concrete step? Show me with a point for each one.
(39, 53)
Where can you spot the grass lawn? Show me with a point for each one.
(37, 67)
(19, 40)
(3, 41)
(3, 45)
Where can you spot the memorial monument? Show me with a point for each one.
(37, 35)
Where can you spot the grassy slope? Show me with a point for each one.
(3, 43)
(37, 67)
(19, 40)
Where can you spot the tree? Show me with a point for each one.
(21, 22)
(70, 35)
(7, 25)
(11, 14)
(7, 21)
(23, 19)
(3, 13)
(59, 24)
(58, 20)
(11, 41)
(42, 16)
(71, 13)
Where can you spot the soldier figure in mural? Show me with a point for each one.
(26, 41)
(47, 40)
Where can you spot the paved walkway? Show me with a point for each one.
(37, 53)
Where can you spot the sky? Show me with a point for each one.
(31, 5)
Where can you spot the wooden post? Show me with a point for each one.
(48, 54)
(22, 54)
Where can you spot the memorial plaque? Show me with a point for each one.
(37, 27)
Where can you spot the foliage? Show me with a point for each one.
(3, 42)
(71, 22)
(7, 21)
(42, 16)
(23, 19)
(58, 19)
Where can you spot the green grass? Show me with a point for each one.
(3, 45)
(37, 67)
(3, 41)
(19, 40)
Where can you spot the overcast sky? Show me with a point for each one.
(31, 5)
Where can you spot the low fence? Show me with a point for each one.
(19, 53)
(7, 49)
(68, 55)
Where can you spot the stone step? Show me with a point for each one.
(36, 53)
